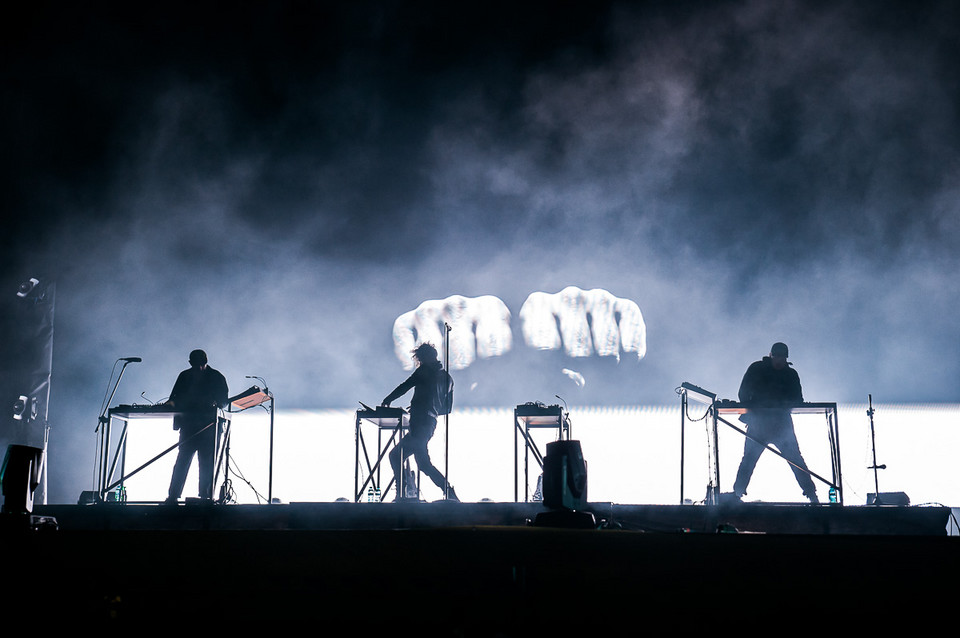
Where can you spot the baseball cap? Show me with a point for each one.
(779, 350)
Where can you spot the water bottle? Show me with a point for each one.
(833, 494)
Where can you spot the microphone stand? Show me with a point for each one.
(446, 417)
(272, 410)
(874, 467)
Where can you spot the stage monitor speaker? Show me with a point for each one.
(89, 497)
(564, 476)
(888, 498)
(19, 477)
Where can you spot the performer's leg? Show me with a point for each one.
(182, 466)
(399, 454)
(426, 466)
(422, 427)
(751, 454)
(787, 444)
(206, 446)
(403, 449)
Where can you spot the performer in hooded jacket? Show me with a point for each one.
(424, 409)
(196, 395)
(769, 388)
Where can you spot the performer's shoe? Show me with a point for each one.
(452, 494)
(411, 493)
(730, 498)
(813, 498)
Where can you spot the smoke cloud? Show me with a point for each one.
(279, 184)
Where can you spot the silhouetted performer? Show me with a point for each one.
(770, 387)
(196, 395)
(424, 408)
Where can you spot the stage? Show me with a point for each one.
(762, 518)
(475, 568)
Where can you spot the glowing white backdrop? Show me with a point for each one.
(633, 455)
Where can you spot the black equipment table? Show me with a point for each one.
(534, 416)
(392, 420)
(716, 408)
(251, 398)
(127, 413)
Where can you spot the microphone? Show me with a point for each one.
(130, 359)
(260, 379)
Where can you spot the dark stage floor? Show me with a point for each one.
(746, 517)
(475, 568)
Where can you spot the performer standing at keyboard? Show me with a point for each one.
(196, 395)
(424, 408)
(769, 389)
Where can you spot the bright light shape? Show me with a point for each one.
(632, 454)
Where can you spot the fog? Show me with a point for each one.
(278, 185)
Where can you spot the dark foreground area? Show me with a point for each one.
(366, 570)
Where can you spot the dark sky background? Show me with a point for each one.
(277, 182)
